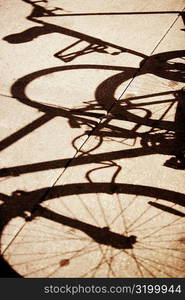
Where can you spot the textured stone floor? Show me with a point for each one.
(92, 136)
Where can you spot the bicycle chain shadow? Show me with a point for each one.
(104, 98)
(22, 202)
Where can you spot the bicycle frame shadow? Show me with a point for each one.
(21, 202)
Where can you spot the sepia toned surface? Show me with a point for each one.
(92, 139)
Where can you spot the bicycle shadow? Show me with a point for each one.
(159, 143)
(28, 206)
(20, 202)
(92, 44)
(178, 161)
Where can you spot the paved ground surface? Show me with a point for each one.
(92, 135)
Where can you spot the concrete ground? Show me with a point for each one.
(92, 138)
